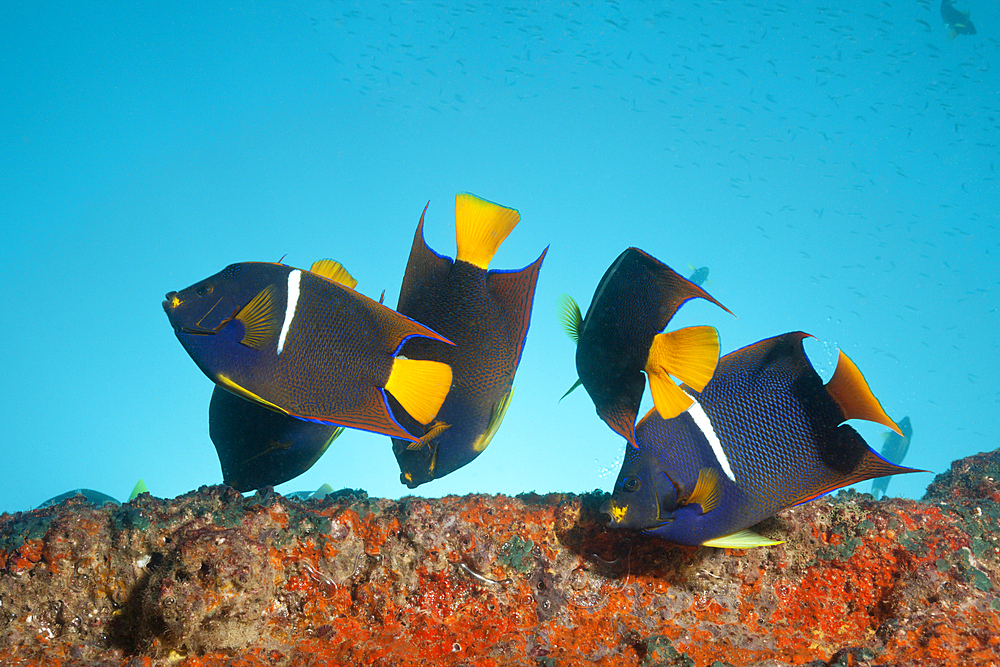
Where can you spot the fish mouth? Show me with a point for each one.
(195, 331)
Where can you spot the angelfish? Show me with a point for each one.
(486, 313)
(621, 337)
(764, 434)
(301, 344)
(260, 447)
(958, 22)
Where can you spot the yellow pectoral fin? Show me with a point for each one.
(259, 321)
(244, 393)
(480, 228)
(707, 491)
(569, 314)
(744, 539)
(419, 386)
(496, 418)
(849, 389)
(333, 270)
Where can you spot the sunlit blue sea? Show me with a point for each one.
(833, 164)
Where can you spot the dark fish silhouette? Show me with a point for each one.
(957, 22)
(894, 451)
(699, 276)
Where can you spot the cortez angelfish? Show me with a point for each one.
(486, 314)
(764, 434)
(620, 337)
(299, 343)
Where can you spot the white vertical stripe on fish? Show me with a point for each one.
(292, 301)
(702, 421)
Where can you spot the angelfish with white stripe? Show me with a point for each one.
(764, 434)
(305, 344)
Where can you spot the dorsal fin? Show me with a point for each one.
(848, 388)
(335, 271)
(707, 491)
(259, 322)
(480, 228)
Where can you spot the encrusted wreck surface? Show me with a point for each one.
(212, 578)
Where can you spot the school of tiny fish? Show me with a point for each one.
(298, 355)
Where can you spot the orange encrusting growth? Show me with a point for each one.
(388, 583)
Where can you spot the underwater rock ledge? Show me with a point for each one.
(213, 578)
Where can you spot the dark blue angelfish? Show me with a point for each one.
(894, 451)
(620, 338)
(258, 446)
(302, 344)
(764, 434)
(958, 22)
(486, 314)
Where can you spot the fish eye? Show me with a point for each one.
(203, 290)
(632, 484)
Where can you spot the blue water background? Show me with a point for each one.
(833, 163)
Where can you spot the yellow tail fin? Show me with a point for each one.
(849, 389)
(419, 386)
(480, 228)
(690, 355)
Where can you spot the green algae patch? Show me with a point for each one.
(516, 554)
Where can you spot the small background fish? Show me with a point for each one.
(894, 450)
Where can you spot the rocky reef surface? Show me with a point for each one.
(212, 578)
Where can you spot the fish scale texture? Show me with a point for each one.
(347, 329)
(212, 578)
(763, 403)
